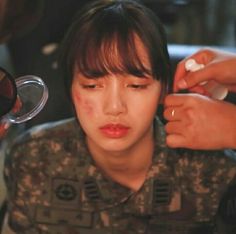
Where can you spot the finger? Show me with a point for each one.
(179, 74)
(175, 141)
(231, 88)
(195, 78)
(171, 114)
(173, 100)
(180, 81)
(174, 127)
(199, 89)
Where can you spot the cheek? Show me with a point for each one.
(88, 106)
(149, 103)
(84, 105)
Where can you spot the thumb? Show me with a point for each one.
(195, 78)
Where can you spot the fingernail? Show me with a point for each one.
(182, 84)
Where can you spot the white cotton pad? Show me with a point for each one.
(192, 65)
(216, 90)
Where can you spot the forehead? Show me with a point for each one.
(141, 50)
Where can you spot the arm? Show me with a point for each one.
(199, 122)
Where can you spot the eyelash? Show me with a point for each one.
(133, 86)
(93, 86)
(138, 86)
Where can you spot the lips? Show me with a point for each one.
(114, 130)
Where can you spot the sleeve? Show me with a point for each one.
(19, 190)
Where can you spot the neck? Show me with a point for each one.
(127, 167)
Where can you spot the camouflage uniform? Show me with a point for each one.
(54, 187)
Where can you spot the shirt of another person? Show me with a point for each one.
(54, 186)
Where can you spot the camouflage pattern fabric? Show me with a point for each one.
(54, 187)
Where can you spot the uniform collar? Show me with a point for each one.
(101, 192)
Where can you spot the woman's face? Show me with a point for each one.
(116, 111)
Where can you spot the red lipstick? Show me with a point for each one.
(114, 130)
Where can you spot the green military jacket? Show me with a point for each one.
(54, 187)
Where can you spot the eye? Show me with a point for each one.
(91, 86)
(138, 86)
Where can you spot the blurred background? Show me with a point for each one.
(190, 25)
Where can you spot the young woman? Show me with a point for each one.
(109, 171)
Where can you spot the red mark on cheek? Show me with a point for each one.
(88, 106)
(84, 104)
(77, 97)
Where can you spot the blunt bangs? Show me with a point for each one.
(115, 52)
(102, 40)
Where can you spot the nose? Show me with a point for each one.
(115, 101)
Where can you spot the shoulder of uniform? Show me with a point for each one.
(49, 149)
(48, 130)
(46, 139)
(213, 164)
(213, 156)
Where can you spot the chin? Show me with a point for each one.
(115, 146)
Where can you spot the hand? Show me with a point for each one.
(220, 66)
(198, 122)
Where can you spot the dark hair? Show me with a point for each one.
(103, 24)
